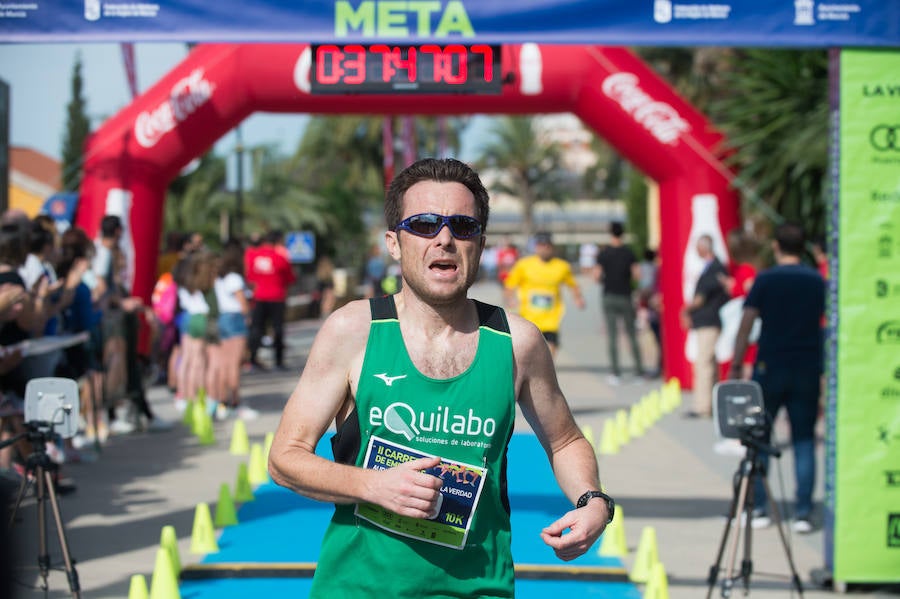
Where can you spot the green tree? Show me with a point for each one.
(78, 127)
(528, 167)
(199, 201)
(636, 209)
(340, 160)
(774, 108)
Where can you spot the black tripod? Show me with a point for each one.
(41, 468)
(741, 510)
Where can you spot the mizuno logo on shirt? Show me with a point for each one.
(389, 380)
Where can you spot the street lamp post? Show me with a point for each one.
(239, 195)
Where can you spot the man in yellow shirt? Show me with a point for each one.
(539, 279)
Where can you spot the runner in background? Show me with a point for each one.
(534, 286)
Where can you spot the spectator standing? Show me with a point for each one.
(82, 362)
(537, 280)
(507, 254)
(198, 280)
(233, 313)
(269, 275)
(737, 283)
(325, 286)
(701, 316)
(617, 269)
(375, 270)
(789, 298)
(587, 257)
(650, 303)
(121, 317)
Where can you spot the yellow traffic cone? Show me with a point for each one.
(198, 413)
(226, 515)
(635, 421)
(240, 442)
(675, 389)
(138, 587)
(164, 583)
(622, 435)
(168, 540)
(258, 473)
(658, 585)
(267, 444)
(646, 556)
(612, 541)
(206, 434)
(203, 535)
(588, 434)
(665, 401)
(654, 413)
(609, 443)
(243, 492)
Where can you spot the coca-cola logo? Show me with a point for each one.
(659, 118)
(187, 95)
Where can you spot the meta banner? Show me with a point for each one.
(797, 23)
(864, 456)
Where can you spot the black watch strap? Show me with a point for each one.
(610, 503)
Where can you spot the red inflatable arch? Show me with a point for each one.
(132, 158)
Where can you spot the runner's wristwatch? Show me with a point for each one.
(610, 504)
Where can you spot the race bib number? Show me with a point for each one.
(540, 301)
(460, 491)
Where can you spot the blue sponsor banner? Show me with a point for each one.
(786, 23)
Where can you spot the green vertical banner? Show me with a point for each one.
(864, 493)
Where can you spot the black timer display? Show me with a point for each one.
(424, 69)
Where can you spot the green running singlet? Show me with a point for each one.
(467, 420)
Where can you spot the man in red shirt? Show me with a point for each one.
(269, 275)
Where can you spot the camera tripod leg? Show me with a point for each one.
(776, 515)
(736, 513)
(71, 573)
(20, 496)
(743, 521)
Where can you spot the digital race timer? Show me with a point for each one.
(425, 69)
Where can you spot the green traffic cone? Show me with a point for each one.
(226, 514)
(243, 492)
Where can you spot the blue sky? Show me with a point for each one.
(40, 75)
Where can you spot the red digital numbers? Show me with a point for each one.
(334, 65)
(392, 61)
(430, 68)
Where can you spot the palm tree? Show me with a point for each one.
(774, 107)
(527, 167)
(195, 201)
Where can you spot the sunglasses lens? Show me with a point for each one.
(429, 225)
(464, 227)
(425, 224)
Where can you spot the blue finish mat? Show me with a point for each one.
(280, 528)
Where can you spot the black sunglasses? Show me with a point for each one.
(430, 224)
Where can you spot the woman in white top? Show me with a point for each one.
(233, 309)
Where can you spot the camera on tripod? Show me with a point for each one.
(51, 409)
(52, 406)
(738, 410)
